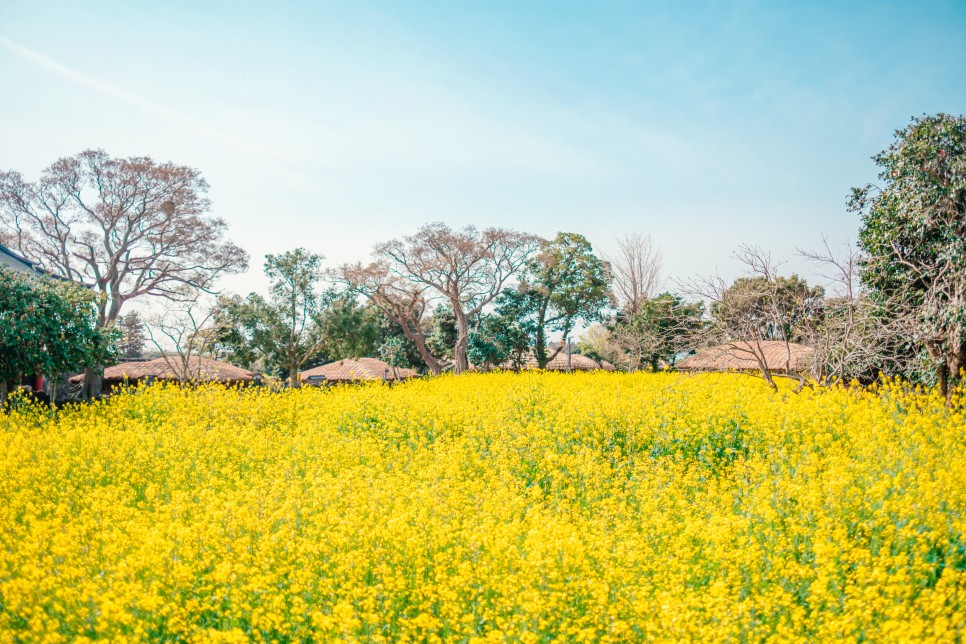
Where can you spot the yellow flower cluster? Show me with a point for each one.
(528, 507)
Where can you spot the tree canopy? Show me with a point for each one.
(48, 326)
(661, 329)
(468, 268)
(130, 227)
(282, 330)
(913, 232)
(406, 304)
(131, 344)
(564, 284)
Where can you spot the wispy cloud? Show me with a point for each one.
(147, 105)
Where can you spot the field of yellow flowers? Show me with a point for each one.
(492, 507)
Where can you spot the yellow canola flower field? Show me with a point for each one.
(494, 507)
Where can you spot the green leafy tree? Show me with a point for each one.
(662, 329)
(569, 284)
(243, 335)
(404, 305)
(564, 284)
(392, 352)
(131, 344)
(467, 267)
(129, 227)
(283, 331)
(442, 339)
(48, 327)
(914, 235)
(398, 346)
(349, 329)
(767, 307)
(504, 338)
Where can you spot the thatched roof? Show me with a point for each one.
(198, 369)
(741, 356)
(577, 363)
(559, 363)
(357, 370)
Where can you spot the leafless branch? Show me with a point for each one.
(183, 333)
(636, 271)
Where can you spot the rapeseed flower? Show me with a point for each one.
(528, 507)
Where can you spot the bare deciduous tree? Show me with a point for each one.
(629, 349)
(402, 301)
(183, 333)
(757, 310)
(636, 271)
(467, 267)
(856, 337)
(127, 227)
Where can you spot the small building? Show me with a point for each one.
(560, 363)
(576, 362)
(358, 370)
(778, 356)
(174, 368)
(13, 261)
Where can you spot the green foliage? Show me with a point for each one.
(663, 328)
(245, 328)
(49, 326)
(914, 234)
(303, 325)
(767, 308)
(392, 351)
(442, 340)
(349, 329)
(131, 342)
(281, 332)
(915, 219)
(505, 337)
(569, 284)
(395, 348)
(566, 283)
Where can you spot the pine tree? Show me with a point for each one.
(132, 336)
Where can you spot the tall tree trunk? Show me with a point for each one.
(293, 375)
(460, 358)
(435, 366)
(942, 379)
(93, 382)
(3, 392)
(540, 348)
(956, 365)
(54, 382)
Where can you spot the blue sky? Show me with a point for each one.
(337, 125)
